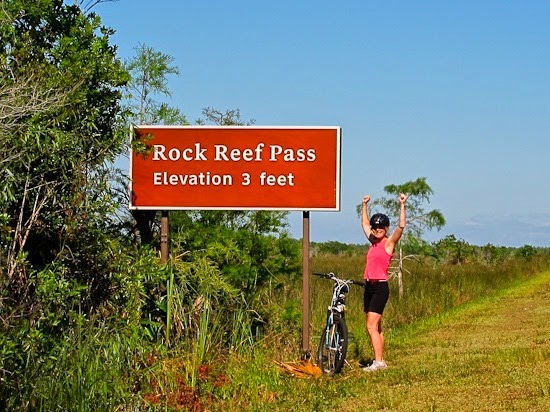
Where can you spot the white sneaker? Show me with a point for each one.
(375, 366)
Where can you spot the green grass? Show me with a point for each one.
(463, 337)
(96, 369)
(430, 292)
(492, 354)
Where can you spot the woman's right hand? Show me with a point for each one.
(366, 199)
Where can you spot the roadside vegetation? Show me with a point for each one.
(92, 320)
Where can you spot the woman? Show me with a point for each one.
(379, 256)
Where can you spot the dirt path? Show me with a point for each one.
(494, 356)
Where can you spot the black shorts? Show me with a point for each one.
(376, 296)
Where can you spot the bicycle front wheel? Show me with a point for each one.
(333, 346)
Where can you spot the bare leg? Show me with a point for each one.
(376, 336)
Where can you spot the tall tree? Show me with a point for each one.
(64, 132)
(149, 70)
(419, 220)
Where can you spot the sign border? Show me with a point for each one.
(338, 174)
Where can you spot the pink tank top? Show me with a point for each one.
(378, 262)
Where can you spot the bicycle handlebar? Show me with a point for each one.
(331, 275)
(324, 275)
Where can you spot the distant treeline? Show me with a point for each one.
(449, 250)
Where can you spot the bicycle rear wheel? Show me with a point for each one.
(333, 346)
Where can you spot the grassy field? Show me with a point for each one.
(493, 355)
(489, 355)
(470, 337)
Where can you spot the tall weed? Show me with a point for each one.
(95, 368)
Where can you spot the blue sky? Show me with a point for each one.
(454, 91)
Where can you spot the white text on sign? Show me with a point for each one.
(223, 153)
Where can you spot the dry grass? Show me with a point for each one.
(491, 356)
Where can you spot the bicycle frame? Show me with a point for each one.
(334, 338)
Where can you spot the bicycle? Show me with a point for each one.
(333, 346)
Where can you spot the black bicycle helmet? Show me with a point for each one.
(379, 220)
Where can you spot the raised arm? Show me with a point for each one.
(398, 232)
(365, 220)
